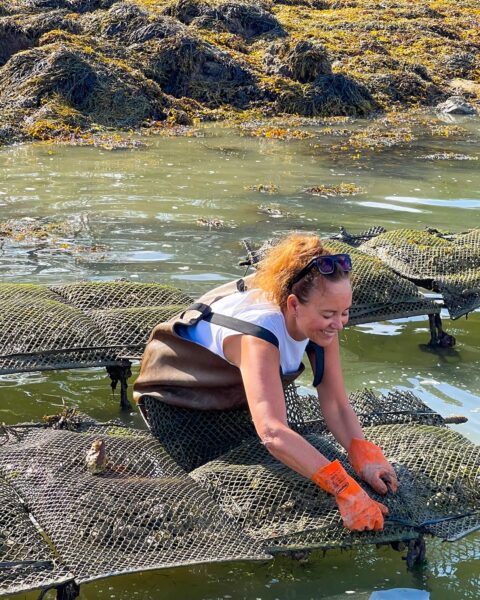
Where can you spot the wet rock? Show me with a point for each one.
(456, 105)
(330, 95)
(100, 88)
(185, 65)
(248, 19)
(302, 61)
(405, 87)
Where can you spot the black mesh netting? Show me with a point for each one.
(448, 264)
(438, 471)
(201, 436)
(26, 560)
(142, 512)
(438, 468)
(80, 325)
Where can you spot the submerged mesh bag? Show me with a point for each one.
(143, 512)
(448, 265)
(80, 325)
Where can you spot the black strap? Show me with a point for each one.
(236, 324)
(319, 361)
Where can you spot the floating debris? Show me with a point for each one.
(37, 229)
(273, 210)
(69, 418)
(275, 133)
(343, 189)
(211, 223)
(263, 188)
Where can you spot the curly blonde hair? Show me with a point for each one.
(282, 263)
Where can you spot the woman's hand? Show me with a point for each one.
(371, 465)
(359, 512)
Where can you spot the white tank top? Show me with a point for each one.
(253, 307)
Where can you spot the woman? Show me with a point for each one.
(246, 341)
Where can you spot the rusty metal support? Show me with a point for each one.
(68, 591)
(121, 373)
(438, 337)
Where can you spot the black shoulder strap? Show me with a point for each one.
(235, 324)
(318, 363)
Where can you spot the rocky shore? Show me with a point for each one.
(75, 69)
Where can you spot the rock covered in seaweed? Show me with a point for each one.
(302, 61)
(329, 94)
(120, 63)
(185, 65)
(242, 17)
(107, 91)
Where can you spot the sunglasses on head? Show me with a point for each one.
(325, 265)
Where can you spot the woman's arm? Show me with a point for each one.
(339, 416)
(259, 363)
(366, 458)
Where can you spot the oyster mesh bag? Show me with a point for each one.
(143, 511)
(438, 469)
(448, 264)
(79, 325)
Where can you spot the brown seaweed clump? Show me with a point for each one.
(302, 61)
(246, 18)
(328, 95)
(186, 66)
(107, 91)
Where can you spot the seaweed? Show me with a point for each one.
(126, 64)
(185, 65)
(248, 19)
(342, 189)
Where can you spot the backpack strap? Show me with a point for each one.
(316, 355)
(206, 314)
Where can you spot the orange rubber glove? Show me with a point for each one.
(359, 512)
(370, 464)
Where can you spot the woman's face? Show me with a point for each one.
(323, 315)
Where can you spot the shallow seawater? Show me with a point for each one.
(136, 216)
